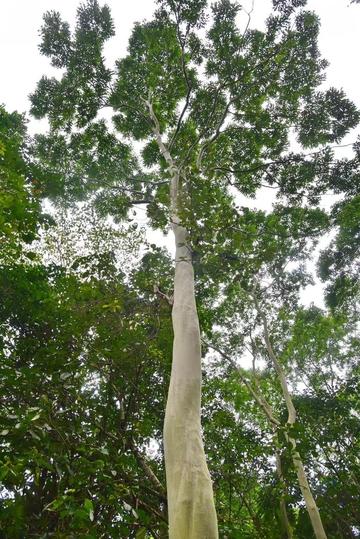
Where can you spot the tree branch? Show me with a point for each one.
(278, 367)
(259, 398)
(174, 171)
(169, 299)
(187, 80)
(210, 140)
(148, 471)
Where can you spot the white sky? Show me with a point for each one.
(21, 64)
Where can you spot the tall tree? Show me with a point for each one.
(214, 107)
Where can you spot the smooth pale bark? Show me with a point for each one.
(191, 507)
(190, 496)
(310, 502)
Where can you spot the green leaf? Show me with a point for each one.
(88, 505)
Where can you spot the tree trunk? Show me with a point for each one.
(309, 499)
(310, 502)
(283, 509)
(190, 496)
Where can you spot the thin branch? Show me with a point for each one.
(187, 80)
(174, 171)
(259, 398)
(248, 13)
(187, 101)
(148, 471)
(278, 367)
(223, 86)
(153, 510)
(210, 140)
(201, 134)
(169, 299)
(157, 132)
(280, 161)
(144, 201)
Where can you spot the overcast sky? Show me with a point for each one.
(21, 65)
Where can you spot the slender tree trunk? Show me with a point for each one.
(310, 502)
(276, 425)
(309, 499)
(191, 505)
(283, 509)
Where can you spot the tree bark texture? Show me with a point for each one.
(190, 495)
